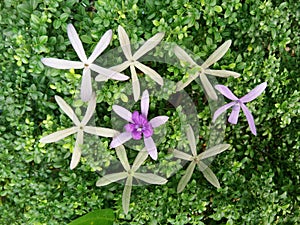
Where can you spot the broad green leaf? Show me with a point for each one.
(96, 217)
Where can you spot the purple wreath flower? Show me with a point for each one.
(237, 104)
(138, 127)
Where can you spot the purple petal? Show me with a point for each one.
(226, 92)
(136, 117)
(234, 115)
(86, 85)
(129, 127)
(123, 113)
(222, 109)
(148, 131)
(145, 103)
(151, 147)
(158, 121)
(76, 43)
(254, 93)
(249, 118)
(136, 135)
(120, 139)
(62, 63)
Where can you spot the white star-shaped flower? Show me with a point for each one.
(86, 63)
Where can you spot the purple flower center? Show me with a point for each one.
(139, 127)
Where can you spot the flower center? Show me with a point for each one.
(140, 126)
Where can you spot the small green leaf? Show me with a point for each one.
(218, 9)
(96, 217)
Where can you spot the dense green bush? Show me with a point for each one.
(259, 175)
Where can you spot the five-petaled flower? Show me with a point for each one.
(86, 63)
(238, 103)
(132, 60)
(79, 128)
(138, 126)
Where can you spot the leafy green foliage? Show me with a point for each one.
(96, 217)
(259, 176)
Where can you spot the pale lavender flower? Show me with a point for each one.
(86, 63)
(138, 127)
(79, 128)
(238, 103)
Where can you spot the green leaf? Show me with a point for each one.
(96, 217)
(218, 9)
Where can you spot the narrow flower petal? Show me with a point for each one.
(126, 194)
(213, 151)
(249, 118)
(234, 115)
(100, 131)
(86, 85)
(150, 178)
(145, 103)
(101, 46)
(151, 147)
(120, 139)
(121, 67)
(129, 127)
(191, 138)
(123, 113)
(76, 43)
(158, 121)
(222, 109)
(121, 153)
(254, 93)
(105, 74)
(148, 45)
(183, 56)
(180, 85)
(217, 54)
(186, 177)
(226, 92)
(58, 135)
(135, 84)
(111, 178)
(90, 110)
(67, 109)
(208, 88)
(210, 177)
(77, 150)
(124, 42)
(62, 64)
(139, 160)
(182, 155)
(222, 73)
(150, 72)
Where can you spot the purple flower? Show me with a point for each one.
(237, 104)
(138, 126)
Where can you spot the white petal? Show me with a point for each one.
(135, 84)
(213, 151)
(76, 43)
(101, 46)
(124, 42)
(150, 178)
(148, 45)
(62, 64)
(180, 85)
(90, 110)
(183, 56)
(86, 85)
(111, 178)
(211, 177)
(123, 113)
(186, 177)
(151, 147)
(191, 138)
(222, 73)
(100, 131)
(217, 54)
(182, 155)
(150, 72)
(120, 139)
(104, 74)
(58, 135)
(126, 194)
(121, 67)
(140, 159)
(77, 150)
(121, 153)
(208, 88)
(145, 103)
(67, 110)
(158, 121)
